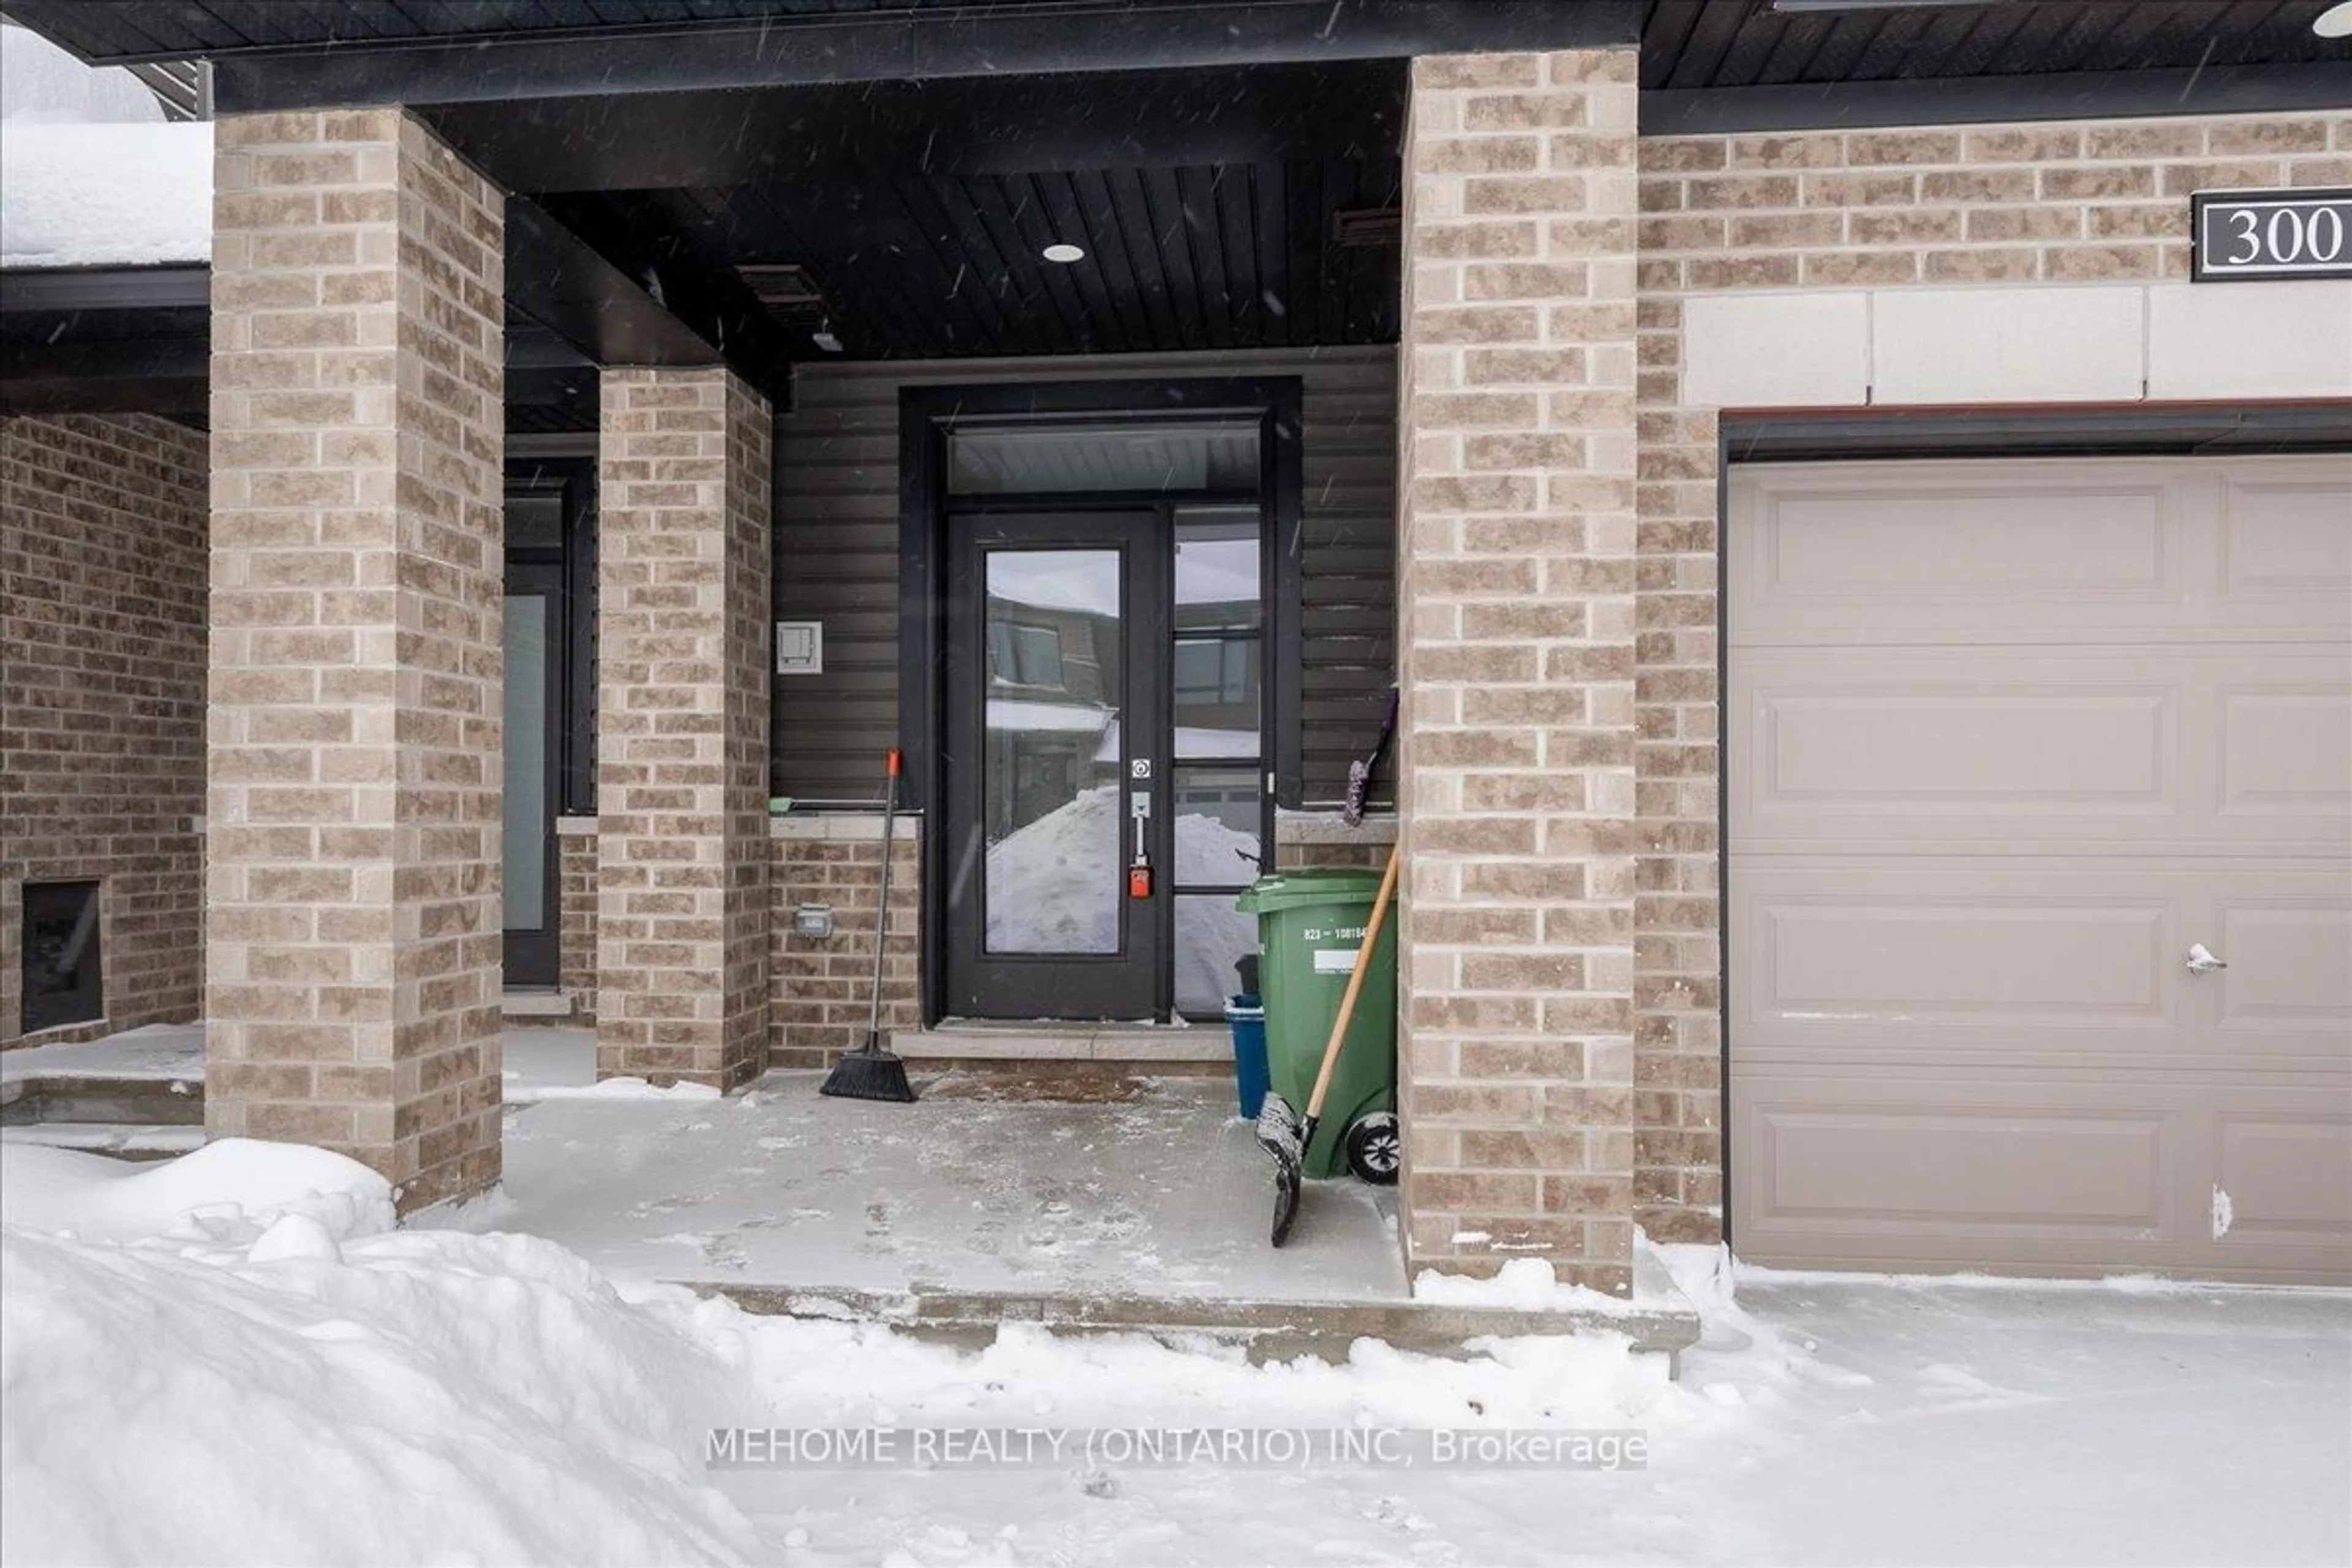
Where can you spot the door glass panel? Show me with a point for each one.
(1051, 806)
(1217, 568)
(1218, 669)
(1218, 811)
(1061, 459)
(525, 802)
(1212, 936)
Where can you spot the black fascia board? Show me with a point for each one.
(1155, 118)
(584, 287)
(902, 45)
(173, 285)
(1990, 100)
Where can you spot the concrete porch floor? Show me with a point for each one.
(1149, 1186)
(1084, 1200)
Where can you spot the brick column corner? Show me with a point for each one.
(682, 857)
(1516, 627)
(352, 930)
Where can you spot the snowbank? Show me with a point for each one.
(520, 1092)
(436, 1398)
(1527, 1284)
(105, 195)
(250, 1370)
(228, 1192)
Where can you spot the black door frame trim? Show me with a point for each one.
(927, 414)
(1891, 435)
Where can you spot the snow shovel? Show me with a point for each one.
(870, 1072)
(1280, 1132)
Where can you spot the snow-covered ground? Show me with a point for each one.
(231, 1359)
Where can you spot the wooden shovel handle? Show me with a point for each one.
(1355, 987)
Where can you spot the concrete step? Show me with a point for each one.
(1123, 1045)
(1659, 1321)
(539, 1006)
(122, 1102)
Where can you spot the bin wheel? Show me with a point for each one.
(1375, 1147)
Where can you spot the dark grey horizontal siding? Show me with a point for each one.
(837, 510)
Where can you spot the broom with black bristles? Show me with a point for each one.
(870, 1072)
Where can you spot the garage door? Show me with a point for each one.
(2007, 743)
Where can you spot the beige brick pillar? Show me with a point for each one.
(351, 914)
(682, 728)
(1516, 651)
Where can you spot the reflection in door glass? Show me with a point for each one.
(1211, 937)
(525, 808)
(1051, 801)
(1217, 813)
(1218, 667)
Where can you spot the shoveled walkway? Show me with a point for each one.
(1086, 1201)
(1157, 1188)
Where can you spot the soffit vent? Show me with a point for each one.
(1368, 228)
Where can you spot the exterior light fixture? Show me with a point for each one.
(1063, 251)
(823, 338)
(2335, 22)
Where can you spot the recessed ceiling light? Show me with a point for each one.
(2335, 22)
(1063, 252)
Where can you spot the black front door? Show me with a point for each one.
(1054, 827)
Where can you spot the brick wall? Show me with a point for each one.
(819, 985)
(352, 930)
(682, 727)
(102, 571)
(1516, 610)
(575, 937)
(2049, 203)
(1318, 842)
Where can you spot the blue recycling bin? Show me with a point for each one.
(1246, 1016)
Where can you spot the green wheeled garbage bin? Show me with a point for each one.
(1309, 925)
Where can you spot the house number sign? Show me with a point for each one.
(2271, 234)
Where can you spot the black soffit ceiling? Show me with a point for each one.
(1233, 256)
(1686, 44)
(1247, 208)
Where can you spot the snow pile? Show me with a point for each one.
(226, 1193)
(1056, 885)
(326, 1394)
(105, 195)
(1524, 1284)
(522, 1091)
(41, 83)
(1076, 1510)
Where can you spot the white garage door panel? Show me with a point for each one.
(2271, 551)
(2080, 962)
(1952, 543)
(2072, 551)
(2285, 748)
(2180, 750)
(1893, 1169)
(2267, 1166)
(2002, 740)
(1860, 955)
(2290, 963)
(2042, 1172)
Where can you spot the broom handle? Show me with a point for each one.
(1355, 987)
(882, 915)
